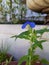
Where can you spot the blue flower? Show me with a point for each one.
(32, 24)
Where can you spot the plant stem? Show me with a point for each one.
(30, 56)
(30, 50)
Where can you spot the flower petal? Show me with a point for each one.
(32, 24)
(24, 25)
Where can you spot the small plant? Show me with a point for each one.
(8, 61)
(3, 53)
(35, 41)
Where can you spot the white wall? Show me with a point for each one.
(19, 47)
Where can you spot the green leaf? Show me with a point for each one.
(15, 36)
(45, 61)
(34, 46)
(41, 31)
(24, 35)
(6, 62)
(10, 59)
(39, 43)
(24, 58)
(42, 41)
(35, 57)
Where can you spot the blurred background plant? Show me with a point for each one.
(14, 10)
(4, 55)
(7, 61)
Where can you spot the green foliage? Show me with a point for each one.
(41, 31)
(44, 61)
(8, 61)
(2, 57)
(24, 58)
(3, 53)
(39, 43)
(24, 35)
(35, 58)
(35, 42)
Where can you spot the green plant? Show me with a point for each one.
(8, 61)
(3, 53)
(35, 41)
